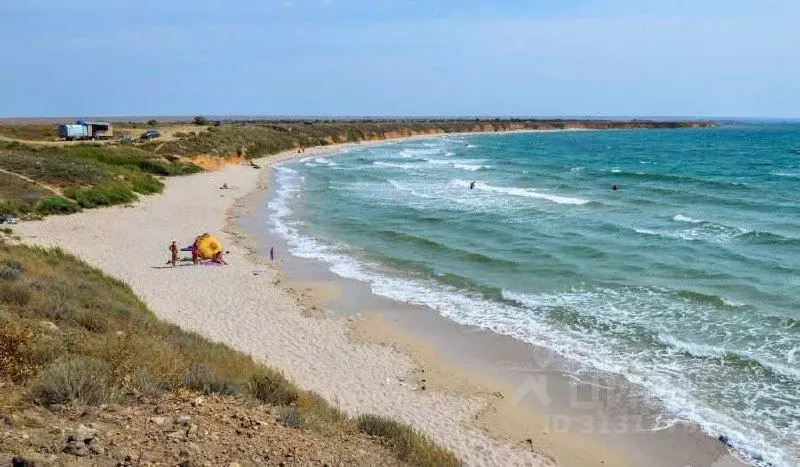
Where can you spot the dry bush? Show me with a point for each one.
(14, 363)
(14, 293)
(290, 417)
(202, 377)
(148, 385)
(73, 380)
(271, 387)
(405, 442)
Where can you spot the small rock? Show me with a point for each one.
(176, 435)
(158, 420)
(83, 434)
(234, 464)
(97, 448)
(197, 402)
(48, 326)
(76, 448)
(191, 432)
(158, 410)
(184, 420)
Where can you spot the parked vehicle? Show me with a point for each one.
(71, 132)
(150, 134)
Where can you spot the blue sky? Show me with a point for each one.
(380, 57)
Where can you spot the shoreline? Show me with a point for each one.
(499, 371)
(255, 313)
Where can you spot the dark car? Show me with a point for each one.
(150, 134)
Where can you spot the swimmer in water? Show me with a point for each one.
(616, 187)
(472, 185)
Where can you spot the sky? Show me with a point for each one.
(712, 58)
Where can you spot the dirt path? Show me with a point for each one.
(49, 188)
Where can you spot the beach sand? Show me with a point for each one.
(249, 306)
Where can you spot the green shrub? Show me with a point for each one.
(57, 205)
(102, 195)
(147, 184)
(152, 122)
(201, 377)
(271, 387)
(7, 230)
(9, 274)
(405, 442)
(14, 293)
(81, 380)
(10, 263)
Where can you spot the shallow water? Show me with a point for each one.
(685, 281)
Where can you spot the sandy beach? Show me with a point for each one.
(250, 306)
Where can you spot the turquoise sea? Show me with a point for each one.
(686, 281)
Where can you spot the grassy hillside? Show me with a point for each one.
(44, 180)
(70, 335)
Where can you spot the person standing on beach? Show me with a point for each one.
(271, 253)
(174, 252)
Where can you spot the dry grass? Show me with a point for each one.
(31, 132)
(70, 334)
(405, 442)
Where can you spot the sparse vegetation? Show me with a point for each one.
(290, 417)
(73, 380)
(70, 334)
(31, 132)
(406, 443)
(203, 378)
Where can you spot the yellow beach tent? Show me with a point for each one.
(208, 247)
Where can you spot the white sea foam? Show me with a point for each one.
(470, 167)
(616, 171)
(700, 230)
(682, 218)
(521, 192)
(530, 325)
(465, 164)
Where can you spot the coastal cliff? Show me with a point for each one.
(257, 138)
